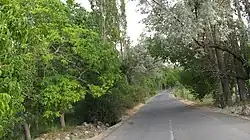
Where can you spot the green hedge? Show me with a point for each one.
(110, 107)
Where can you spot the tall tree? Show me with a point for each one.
(200, 26)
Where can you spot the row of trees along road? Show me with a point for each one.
(208, 39)
(59, 63)
(56, 59)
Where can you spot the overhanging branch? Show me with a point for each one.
(226, 74)
(236, 56)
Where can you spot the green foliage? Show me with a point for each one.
(59, 94)
(182, 92)
(199, 88)
(110, 107)
(54, 53)
(139, 94)
(205, 41)
(6, 112)
(171, 77)
(107, 108)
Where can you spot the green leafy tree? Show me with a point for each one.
(201, 37)
(59, 94)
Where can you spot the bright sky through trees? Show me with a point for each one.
(133, 18)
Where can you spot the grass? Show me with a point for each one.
(183, 93)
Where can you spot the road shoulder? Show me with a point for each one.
(226, 111)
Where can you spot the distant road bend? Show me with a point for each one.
(165, 118)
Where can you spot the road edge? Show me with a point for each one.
(111, 129)
(107, 132)
(209, 108)
(219, 110)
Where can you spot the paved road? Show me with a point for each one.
(165, 118)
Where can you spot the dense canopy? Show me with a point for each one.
(63, 65)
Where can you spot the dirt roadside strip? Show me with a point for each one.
(129, 113)
(210, 108)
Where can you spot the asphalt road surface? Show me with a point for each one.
(165, 118)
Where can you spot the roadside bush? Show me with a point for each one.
(152, 93)
(181, 91)
(107, 108)
(171, 78)
(110, 107)
(139, 94)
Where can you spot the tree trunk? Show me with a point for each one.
(27, 134)
(221, 71)
(240, 71)
(219, 92)
(247, 10)
(241, 82)
(62, 120)
(248, 88)
(103, 20)
(237, 6)
(237, 99)
(224, 78)
(227, 92)
(242, 89)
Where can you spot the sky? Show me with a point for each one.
(133, 18)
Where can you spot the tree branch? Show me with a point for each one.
(243, 61)
(176, 18)
(2, 66)
(239, 58)
(80, 75)
(226, 74)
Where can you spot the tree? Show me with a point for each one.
(59, 94)
(40, 42)
(195, 34)
(55, 52)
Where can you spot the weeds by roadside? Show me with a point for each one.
(187, 98)
(184, 94)
(95, 115)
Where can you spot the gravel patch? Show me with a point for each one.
(83, 132)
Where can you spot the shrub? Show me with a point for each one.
(110, 107)
(139, 94)
(107, 108)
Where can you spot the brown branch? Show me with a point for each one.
(221, 3)
(56, 49)
(2, 66)
(239, 58)
(242, 60)
(226, 74)
(198, 43)
(80, 75)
